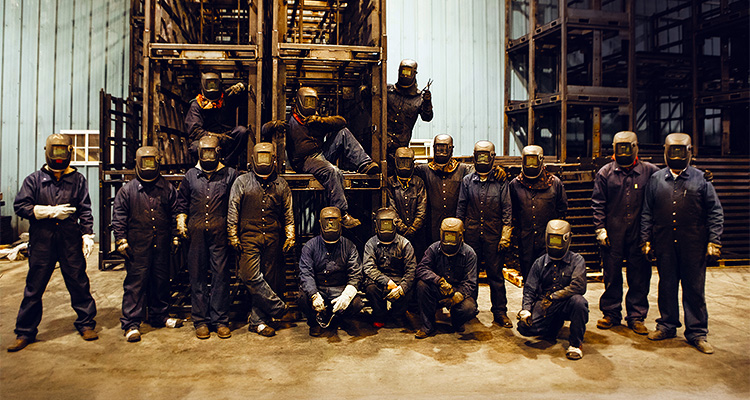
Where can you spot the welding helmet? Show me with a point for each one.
(407, 73)
(558, 237)
(264, 159)
(209, 153)
(404, 162)
(385, 225)
(678, 151)
(625, 145)
(211, 85)
(451, 236)
(484, 157)
(147, 163)
(330, 224)
(58, 150)
(442, 147)
(306, 101)
(533, 161)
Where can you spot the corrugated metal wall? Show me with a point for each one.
(56, 56)
(459, 44)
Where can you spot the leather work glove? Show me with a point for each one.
(234, 241)
(60, 212)
(175, 244)
(505, 238)
(648, 251)
(601, 237)
(314, 119)
(426, 95)
(391, 285)
(395, 294)
(182, 225)
(525, 317)
(123, 247)
(410, 231)
(713, 251)
(342, 302)
(453, 300)
(446, 289)
(236, 88)
(317, 303)
(88, 244)
(546, 302)
(289, 242)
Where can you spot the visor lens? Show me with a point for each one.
(310, 102)
(678, 152)
(407, 72)
(483, 158)
(59, 151)
(623, 149)
(208, 154)
(442, 149)
(531, 161)
(330, 224)
(403, 162)
(386, 224)
(264, 158)
(555, 240)
(212, 85)
(148, 162)
(450, 237)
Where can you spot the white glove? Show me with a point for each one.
(342, 302)
(525, 316)
(88, 245)
(182, 225)
(317, 303)
(60, 211)
(601, 237)
(395, 294)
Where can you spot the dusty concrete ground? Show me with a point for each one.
(486, 361)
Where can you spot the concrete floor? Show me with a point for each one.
(486, 361)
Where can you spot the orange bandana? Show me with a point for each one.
(207, 104)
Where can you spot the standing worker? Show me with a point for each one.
(143, 218)
(56, 202)
(407, 195)
(538, 197)
(681, 226)
(260, 212)
(203, 199)
(484, 207)
(617, 201)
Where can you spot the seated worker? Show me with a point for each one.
(213, 113)
(329, 273)
(408, 196)
(389, 265)
(314, 143)
(447, 277)
(553, 292)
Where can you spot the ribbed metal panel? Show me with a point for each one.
(459, 44)
(56, 56)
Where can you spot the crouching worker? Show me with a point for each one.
(389, 265)
(329, 273)
(142, 221)
(447, 278)
(553, 292)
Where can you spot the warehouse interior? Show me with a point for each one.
(562, 74)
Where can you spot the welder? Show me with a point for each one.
(408, 196)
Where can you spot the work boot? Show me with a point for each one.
(88, 334)
(422, 334)
(503, 320)
(638, 327)
(607, 322)
(574, 353)
(265, 330)
(703, 346)
(658, 334)
(202, 332)
(19, 344)
(315, 330)
(349, 222)
(223, 332)
(369, 168)
(133, 335)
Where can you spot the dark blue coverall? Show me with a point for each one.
(200, 122)
(327, 269)
(403, 110)
(535, 204)
(460, 270)
(52, 240)
(484, 207)
(617, 201)
(260, 209)
(205, 200)
(144, 214)
(385, 262)
(410, 203)
(680, 217)
(566, 278)
(442, 193)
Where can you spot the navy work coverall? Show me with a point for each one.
(144, 214)
(52, 240)
(327, 269)
(460, 270)
(205, 199)
(260, 209)
(381, 263)
(442, 193)
(403, 110)
(314, 147)
(680, 217)
(567, 279)
(534, 204)
(200, 122)
(410, 203)
(484, 207)
(617, 201)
